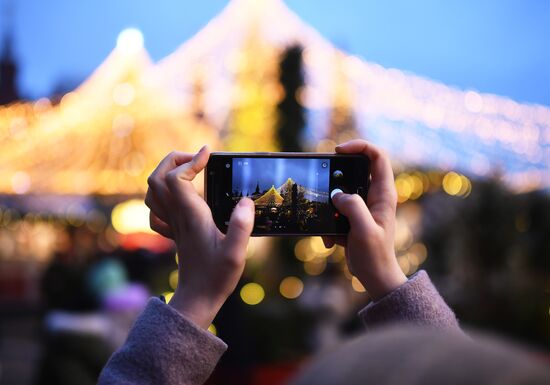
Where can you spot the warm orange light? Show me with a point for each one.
(291, 287)
(357, 285)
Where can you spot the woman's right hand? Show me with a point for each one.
(210, 263)
(369, 245)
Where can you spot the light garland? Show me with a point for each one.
(107, 135)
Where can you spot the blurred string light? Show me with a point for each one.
(168, 295)
(421, 122)
(130, 41)
(252, 293)
(21, 182)
(212, 329)
(357, 285)
(456, 184)
(131, 217)
(412, 185)
(315, 266)
(410, 253)
(291, 287)
(123, 94)
(173, 279)
(98, 139)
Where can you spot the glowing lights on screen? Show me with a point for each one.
(130, 41)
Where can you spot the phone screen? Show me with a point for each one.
(289, 194)
(290, 191)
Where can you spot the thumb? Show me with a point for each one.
(353, 207)
(240, 227)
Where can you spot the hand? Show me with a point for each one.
(210, 263)
(369, 245)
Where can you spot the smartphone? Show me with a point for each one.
(291, 191)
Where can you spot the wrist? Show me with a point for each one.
(201, 311)
(384, 282)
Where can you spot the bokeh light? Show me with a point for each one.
(130, 41)
(173, 279)
(131, 217)
(291, 287)
(252, 293)
(212, 329)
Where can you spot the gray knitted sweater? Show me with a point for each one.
(163, 347)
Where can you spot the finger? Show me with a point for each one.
(171, 161)
(179, 179)
(353, 207)
(382, 196)
(240, 228)
(154, 205)
(160, 226)
(156, 180)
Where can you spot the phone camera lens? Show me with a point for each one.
(227, 165)
(324, 164)
(337, 174)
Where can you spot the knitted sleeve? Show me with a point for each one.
(163, 347)
(416, 301)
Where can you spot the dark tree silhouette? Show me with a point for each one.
(291, 116)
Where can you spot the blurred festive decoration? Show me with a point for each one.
(131, 217)
(291, 287)
(253, 98)
(252, 293)
(107, 135)
(212, 329)
(102, 138)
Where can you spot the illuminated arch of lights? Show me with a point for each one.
(109, 133)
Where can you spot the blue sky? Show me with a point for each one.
(490, 46)
(274, 172)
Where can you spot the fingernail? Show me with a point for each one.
(335, 192)
(245, 202)
(243, 213)
(202, 148)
